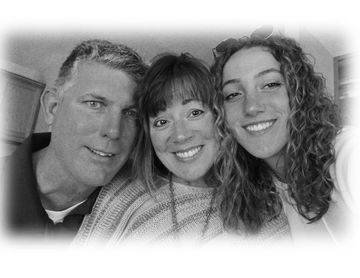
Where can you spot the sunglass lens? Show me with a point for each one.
(225, 44)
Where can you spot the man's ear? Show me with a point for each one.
(50, 102)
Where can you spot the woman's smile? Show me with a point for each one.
(189, 154)
(183, 137)
(259, 127)
(256, 102)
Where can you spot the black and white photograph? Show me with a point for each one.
(157, 141)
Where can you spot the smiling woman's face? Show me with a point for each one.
(183, 137)
(257, 103)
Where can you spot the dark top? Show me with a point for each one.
(25, 214)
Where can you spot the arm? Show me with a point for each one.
(346, 171)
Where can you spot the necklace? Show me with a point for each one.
(278, 177)
(174, 219)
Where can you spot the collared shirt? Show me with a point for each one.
(25, 214)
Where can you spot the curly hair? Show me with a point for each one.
(169, 77)
(249, 195)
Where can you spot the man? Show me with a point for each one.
(54, 178)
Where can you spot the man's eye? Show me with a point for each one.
(232, 96)
(160, 123)
(94, 104)
(131, 113)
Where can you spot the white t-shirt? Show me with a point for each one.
(339, 222)
(57, 216)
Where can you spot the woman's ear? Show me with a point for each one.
(50, 102)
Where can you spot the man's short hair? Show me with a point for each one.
(115, 56)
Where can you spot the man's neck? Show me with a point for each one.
(57, 189)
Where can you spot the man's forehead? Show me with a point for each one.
(100, 81)
(93, 66)
(100, 70)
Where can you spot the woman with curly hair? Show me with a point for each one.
(287, 148)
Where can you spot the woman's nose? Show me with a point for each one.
(181, 132)
(253, 104)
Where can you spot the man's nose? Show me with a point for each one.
(181, 132)
(111, 125)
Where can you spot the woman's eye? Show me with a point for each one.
(160, 123)
(232, 96)
(196, 113)
(272, 85)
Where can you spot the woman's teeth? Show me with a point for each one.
(259, 126)
(188, 154)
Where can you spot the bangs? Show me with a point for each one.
(188, 86)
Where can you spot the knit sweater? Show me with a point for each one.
(111, 210)
(126, 212)
(190, 208)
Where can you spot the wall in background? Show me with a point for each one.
(45, 53)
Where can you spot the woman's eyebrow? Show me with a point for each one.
(261, 73)
(231, 81)
(186, 101)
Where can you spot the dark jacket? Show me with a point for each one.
(24, 211)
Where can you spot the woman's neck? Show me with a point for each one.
(196, 183)
(277, 164)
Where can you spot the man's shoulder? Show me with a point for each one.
(22, 203)
(40, 141)
(31, 144)
(22, 156)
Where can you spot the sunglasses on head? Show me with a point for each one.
(263, 32)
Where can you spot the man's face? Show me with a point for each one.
(94, 128)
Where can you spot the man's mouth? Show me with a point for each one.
(100, 153)
(188, 153)
(259, 127)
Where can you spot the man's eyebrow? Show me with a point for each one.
(261, 73)
(94, 96)
(104, 99)
(131, 106)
